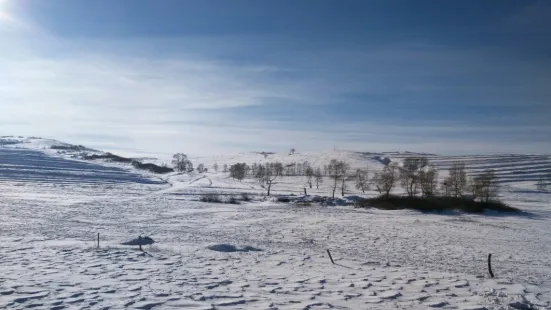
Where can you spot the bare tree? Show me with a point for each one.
(309, 175)
(215, 167)
(337, 172)
(386, 179)
(181, 162)
(319, 177)
(290, 169)
(225, 169)
(278, 168)
(344, 185)
(541, 184)
(260, 174)
(362, 180)
(344, 170)
(428, 180)
(334, 173)
(486, 186)
(292, 151)
(237, 171)
(200, 168)
(409, 173)
(472, 187)
(456, 182)
(272, 172)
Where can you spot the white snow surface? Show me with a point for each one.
(267, 255)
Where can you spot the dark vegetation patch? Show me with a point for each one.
(232, 248)
(245, 197)
(151, 167)
(213, 198)
(283, 199)
(69, 147)
(109, 157)
(431, 204)
(135, 163)
(217, 198)
(9, 142)
(232, 200)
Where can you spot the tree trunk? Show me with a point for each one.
(269, 187)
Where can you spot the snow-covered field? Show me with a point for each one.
(53, 206)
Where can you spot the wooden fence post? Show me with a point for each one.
(330, 257)
(490, 265)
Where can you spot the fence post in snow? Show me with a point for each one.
(490, 265)
(98, 240)
(330, 257)
(305, 192)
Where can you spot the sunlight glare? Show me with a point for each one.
(4, 16)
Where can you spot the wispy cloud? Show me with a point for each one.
(114, 96)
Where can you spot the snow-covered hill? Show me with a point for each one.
(523, 170)
(53, 205)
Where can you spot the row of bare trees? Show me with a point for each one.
(416, 175)
(291, 169)
(265, 174)
(314, 176)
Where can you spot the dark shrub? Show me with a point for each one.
(138, 165)
(110, 157)
(152, 167)
(232, 200)
(69, 147)
(428, 204)
(245, 197)
(283, 199)
(214, 198)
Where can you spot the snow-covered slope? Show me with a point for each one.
(19, 165)
(53, 206)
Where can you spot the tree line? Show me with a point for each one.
(415, 175)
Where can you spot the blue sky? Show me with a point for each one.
(209, 77)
